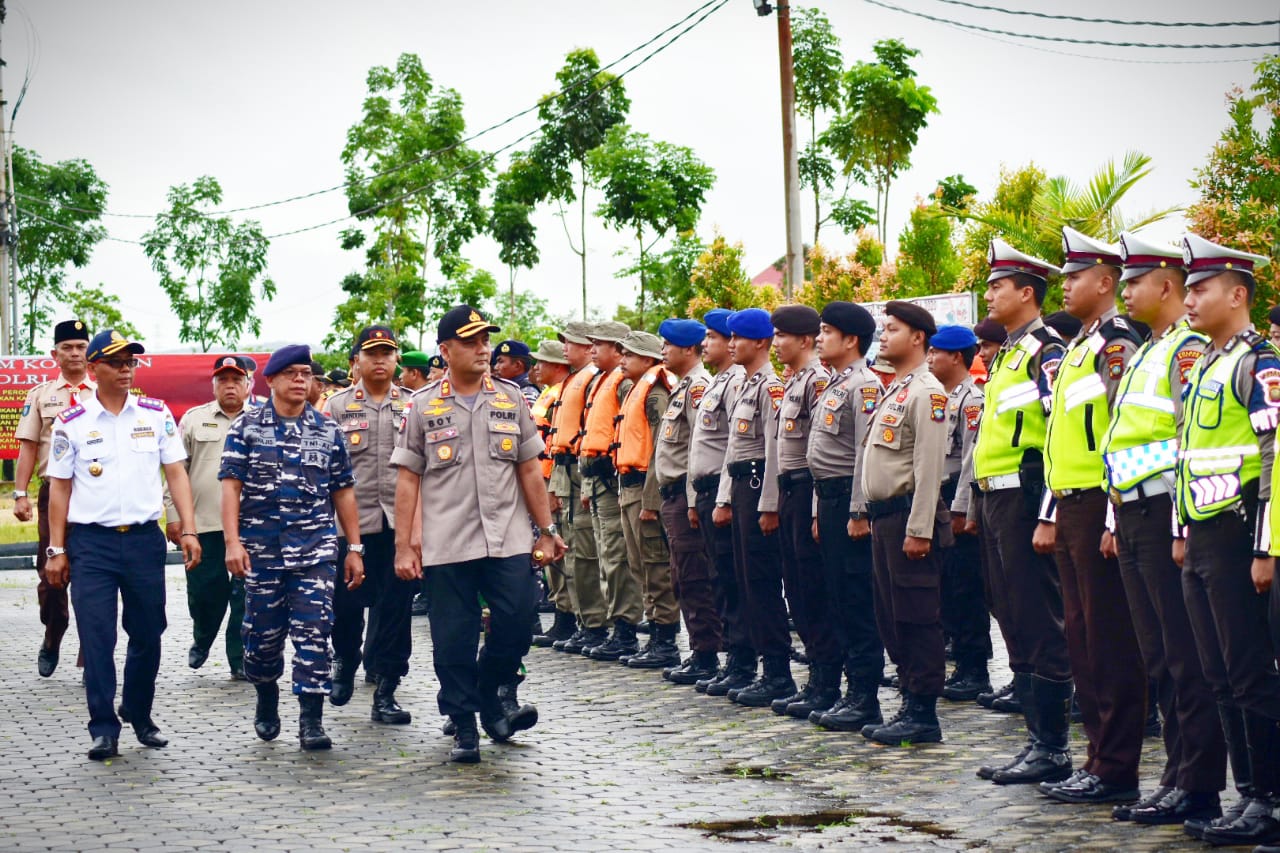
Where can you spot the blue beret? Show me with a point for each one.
(287, 357)
(683, 333)
(717, 320)
(751, 323)
(953, 338)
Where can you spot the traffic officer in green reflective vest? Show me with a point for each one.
(1225, 455)
(1139, 453)
(1009, 468)
(1105, 660)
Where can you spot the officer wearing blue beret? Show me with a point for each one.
(717, 320)
(105, 499)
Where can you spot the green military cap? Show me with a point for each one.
(610, 331)
(550, 351)
(415, 358)
(643, 343)
(575, 333)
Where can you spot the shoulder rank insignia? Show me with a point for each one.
(151, 403)
(71, 413)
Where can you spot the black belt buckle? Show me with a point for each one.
(833, 487)
(708, 484)
(879, 509)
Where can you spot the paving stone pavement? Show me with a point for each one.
(620, 760)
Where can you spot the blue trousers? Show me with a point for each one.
(106, 566)
(294, 604)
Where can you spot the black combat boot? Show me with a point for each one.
(385, 709)
(582, 639)
(344, 681)
(986, 699)
(1010, 703)
(1258, 824)
(1021, 684)
(859, 707)
(738, 673)
(466, 739)
(918, 723)
(694, 668)
(775, 683)
(645, 626)
(824, 692)
(493, 717)
(622, 642)
(662, 650)
(779, 705)
(310, 729)
(1049, 759)
(967, 683)
(266, 716)
(562, 628)
(519, 717)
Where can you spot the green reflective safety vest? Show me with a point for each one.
(1013, 419)
(1143, 439)
(1218, 451)
(1080, 416)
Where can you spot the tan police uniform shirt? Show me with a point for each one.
(753, 435)
(795, 415)
(841, 421)
(467, 453)
(710, 436)
(671, 444)
(964, 413)
(370, 429)
(44, 403)
(907, 446)
(204, 431)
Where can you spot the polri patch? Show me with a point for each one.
(938, 407)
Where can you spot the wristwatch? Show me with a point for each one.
(53, 551)
(550, 530)
(358, 548)
(19, 493)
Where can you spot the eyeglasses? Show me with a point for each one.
(119, 363)
(295, 375)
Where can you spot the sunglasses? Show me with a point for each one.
(119, 363)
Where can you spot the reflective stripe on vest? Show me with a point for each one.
(1013, 419)
(1073, 456)
(635, 439)
(602, 415)
(1219, 452)
(567, 423)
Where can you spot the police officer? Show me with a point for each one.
(1225, 462)
(553, 368)
(369, 414)
(1008, 466)
(707, 448)
(1139, 455)
(568, 426)
(795, 329)
(468, 455)
(964, 609)
(105, 498)
(511, 361)
(748, 501)
(902, 481)
(285, 473)
(316, 391)
(836, 441)
(211, 590)
(435, 368)
(414, 365)
(34, 433)
(991, 336)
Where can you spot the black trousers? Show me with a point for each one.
(847, 564)
(54, 612)
(757, 562)
(691, 575)
(804, 576)
(210, 592)
(510, 592)
(1026, 598)
(1194, 747)
(964, 607)
(109, 566)
(718, 543)
(909, 606)
(389, 600)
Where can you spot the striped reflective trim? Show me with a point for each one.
(1146, 401)
(1017, 396)
(1089, 388)
(1214, 452)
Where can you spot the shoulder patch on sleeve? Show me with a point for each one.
(972, 417)
(938, 407)
(1269, 379)
(1115, 367)
(151, 403)
(1186, 360)
(71, 413)
(775, 393)
(696, 390)
(1112, 349)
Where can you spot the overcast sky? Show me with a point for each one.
(259, 95)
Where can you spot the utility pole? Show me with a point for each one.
(793, 274)
(6, 229)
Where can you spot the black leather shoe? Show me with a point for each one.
(986, 771)
(103, 748)
(123, 713)
(1093, 789)
(466, 740)
(237, 673)
(450, 728)
(196, 656)
(520, 717)
(966, 686)
(311, 733)
(1195, 827)
(344, 682)
(734, 679)
(385, 707)
(853, 713)
(266, 715)
(1255, 826)
(1178, 806)
(1009, 704)
(1125, 811)
(47, 661)
(1039, 765)
(149, 735)
(985, 699)
(493, 720)
(695, 668)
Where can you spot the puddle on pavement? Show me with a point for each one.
(854, 823)
(756, 772)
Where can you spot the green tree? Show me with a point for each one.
(209, 266)
(1239, 185)
(98, 309)
(928, 260)
(510, 223)
(58, 223)
(650, 187)
(719, 280)
(818, 65)
(667, 274)
(531, 321)
(411, 178)
(881, 116)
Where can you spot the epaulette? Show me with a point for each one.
(1047, 335)
(1120, 327)
(1256, 341)
(151, 403)
(71, 413)
(497, 379)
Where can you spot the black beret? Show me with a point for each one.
(913, 315)
(990, 330)
(1064, 324)
(795, 320)
(1274, 315)
(850, 318)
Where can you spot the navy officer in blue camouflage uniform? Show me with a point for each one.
(105, 498)
(285, 470)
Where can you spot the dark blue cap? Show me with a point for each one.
(751, 323)
(953, 338)
(683, 333)
(717, 320)
(850, 319)
(795, 320)
(109, 342)
(376, 336)
(70, 330)
(512, 348)
(287, 357)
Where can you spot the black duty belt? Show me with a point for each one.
(631, 479)
(879, 509)
(793, 479)
(596, 466)
(746, 468)
(833, 487)
(673, 489)
(709, 483)
(566, 459)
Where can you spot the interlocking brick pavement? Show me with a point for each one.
(620, 760)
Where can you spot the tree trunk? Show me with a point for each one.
(582, 245)
(640, 240)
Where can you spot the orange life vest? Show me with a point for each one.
(566, 424)
(543, 408)
(635, 438)
(602, 415)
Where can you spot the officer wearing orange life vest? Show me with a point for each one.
(553, 370)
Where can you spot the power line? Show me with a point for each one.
(1067, 39)
(1111, 20)
(21, 212)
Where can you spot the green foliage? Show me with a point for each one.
(719, 280)
(66, 200)
(419, 188)
(954, 191)
(817, 64)
(1239, 185)
(928, 262)
(98, 309)
(849, 278)
(209, 266)
(667, 277)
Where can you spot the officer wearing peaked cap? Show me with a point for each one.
(1139, 453)
(1008, 467)
(1105, 660)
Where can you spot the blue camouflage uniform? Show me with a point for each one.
(289, 469)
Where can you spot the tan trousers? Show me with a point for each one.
(650, 561)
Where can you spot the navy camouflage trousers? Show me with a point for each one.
(288, 603)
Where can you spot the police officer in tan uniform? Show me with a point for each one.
(468, 455)
(902, 479)
(35, 427)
